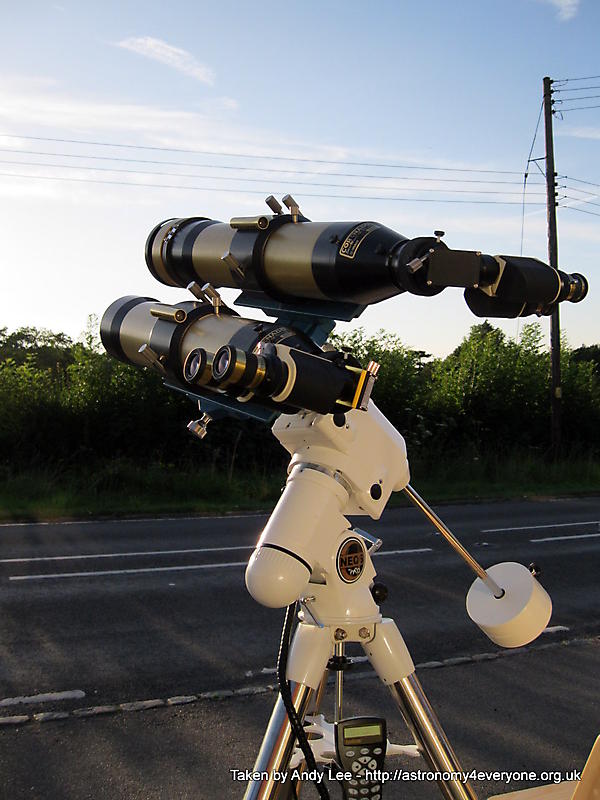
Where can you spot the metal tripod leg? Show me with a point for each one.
(277, 747)
(392, 662)
(429, 735)
(309, 653)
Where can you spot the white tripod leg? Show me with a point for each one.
(391, 660)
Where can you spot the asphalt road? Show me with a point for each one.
(129, 610)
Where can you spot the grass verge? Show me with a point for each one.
(121, 488)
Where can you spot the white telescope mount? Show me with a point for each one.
(308, 553)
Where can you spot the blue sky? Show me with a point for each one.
(437, 84)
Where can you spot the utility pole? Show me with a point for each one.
(551, 204)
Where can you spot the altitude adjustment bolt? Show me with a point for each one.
(340, 634)
(438, 235)
(379, 592)
(364, 633)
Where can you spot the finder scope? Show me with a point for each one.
(289, 259)
(208, 351)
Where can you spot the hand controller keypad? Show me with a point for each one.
(360, 747)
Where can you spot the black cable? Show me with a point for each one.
(255, 156)
(261, 192)
(239, 168)
(291, 181)
(286, 695)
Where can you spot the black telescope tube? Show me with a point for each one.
(298, 261)
(327, 261)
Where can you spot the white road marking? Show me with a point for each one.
(125, 555)
(123, 571)
(400, 552)
(566, 538)
(555, 629)
(73, 694)
(538, 527)
(100, 573)
(135, 521)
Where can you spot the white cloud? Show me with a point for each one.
(566, 9)
(37, 102)
(585, 132)
(165, 53)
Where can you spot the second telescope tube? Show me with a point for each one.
(209, 354)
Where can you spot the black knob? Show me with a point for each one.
(535, 569)
(376, 491)
(379, 592)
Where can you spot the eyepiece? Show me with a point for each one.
(236, 369)
(197, 366)
(577, 287)
(228, 360)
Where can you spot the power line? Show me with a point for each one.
(261, 192)
(580, 200)
(581, 210)
(577, 108)
(579, 180)
(255, 156)
(292, 181)
(255, 169)
(570, 80)
(576, 99)
(576, 89)
(526, 173)
(577, 189)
